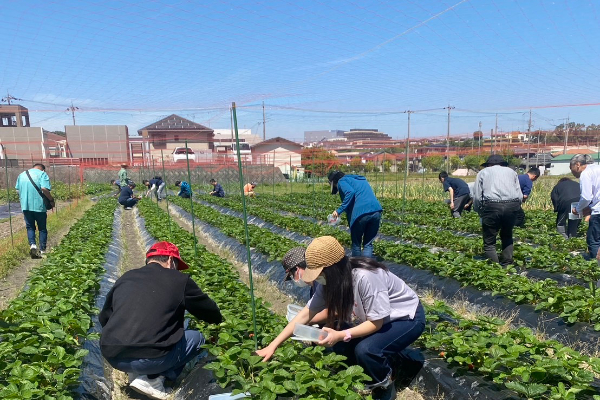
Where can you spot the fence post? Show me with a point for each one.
(187, 159)
(12, 240)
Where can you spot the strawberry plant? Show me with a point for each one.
(43, 329)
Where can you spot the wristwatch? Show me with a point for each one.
(348, 336)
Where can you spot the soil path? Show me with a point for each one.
(262, 286)
(134, 256)
(12, 284)
(18, 223)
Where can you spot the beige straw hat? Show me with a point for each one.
(321, 253)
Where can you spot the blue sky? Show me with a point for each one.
(323, 64)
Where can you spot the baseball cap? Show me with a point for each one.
(166, 249)
(321, 253)
(293, 258)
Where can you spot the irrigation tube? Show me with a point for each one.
(96, 380)
(433, 376)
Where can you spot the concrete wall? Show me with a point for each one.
(23, 143)
(99, 142)
(559, 168)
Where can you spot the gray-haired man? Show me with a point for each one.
(583, 167)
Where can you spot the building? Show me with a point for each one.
(280, 152)
(23, 143)
(162, 137)
(98, 144)
(245, 135)
(317, 136)
(560, 165)
(14, 115)
(365, 134)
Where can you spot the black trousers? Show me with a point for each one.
(499, 217)
(520, 218)
(565, 226)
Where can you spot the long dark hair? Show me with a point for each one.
(339, 292)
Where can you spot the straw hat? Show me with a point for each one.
(321, 253)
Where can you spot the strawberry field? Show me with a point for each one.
(530, 331)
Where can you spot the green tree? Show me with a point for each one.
(318, 160)
(474, 161)
(433, 163)
(370, 166)
(356, 164)
(455, 162)
(387, 166)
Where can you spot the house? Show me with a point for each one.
(280, 152)
(560, 164)
(173, 131)
(14, 115)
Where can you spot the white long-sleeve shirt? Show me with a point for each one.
(589, 182)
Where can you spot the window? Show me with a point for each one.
(176, 138)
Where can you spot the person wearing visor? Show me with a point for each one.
(142, 321)
(362, 209)
(372, 315)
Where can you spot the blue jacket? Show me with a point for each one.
(357, 197)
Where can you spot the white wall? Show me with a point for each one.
(559, 168)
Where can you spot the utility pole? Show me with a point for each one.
(529, 139)
(9, 98)
(480, 135)
(566, 135)
(264, 123)
(72, 109)
(492, 136)
(496, 132)
(449, 108)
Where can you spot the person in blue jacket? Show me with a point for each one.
(362, 209)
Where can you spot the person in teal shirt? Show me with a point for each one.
(32, 205)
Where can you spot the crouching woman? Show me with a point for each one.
(372, 315)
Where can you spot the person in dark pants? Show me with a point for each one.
(362, 209)
(583, 167)
(497, 198)
(459, 193)
(185, 190)
(565, 192)
(217, 189)
(34, 209)
(372, 315)
(142, 320)
(126, 198)
(526, 183)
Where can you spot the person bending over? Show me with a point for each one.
(372, 315)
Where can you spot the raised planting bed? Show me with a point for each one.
(43, 329)
(488, 332)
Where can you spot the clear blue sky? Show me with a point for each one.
(315, 64)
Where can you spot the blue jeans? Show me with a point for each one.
(31, 218)
(377, 352)
(363, 233)
(593, 235)
(169, 365)
(129, 202)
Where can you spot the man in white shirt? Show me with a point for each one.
(583, 167)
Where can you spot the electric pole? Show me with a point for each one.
(449, 108)
(566, 135)
(480, 135)
(529, 139)
(72, 109)
(496, 132)
(9, 98)
(264, 124)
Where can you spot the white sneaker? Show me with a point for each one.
(153, 388)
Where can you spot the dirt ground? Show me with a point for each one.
(134, 256)
(12, 284)
(262, 287)
(18, 223)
